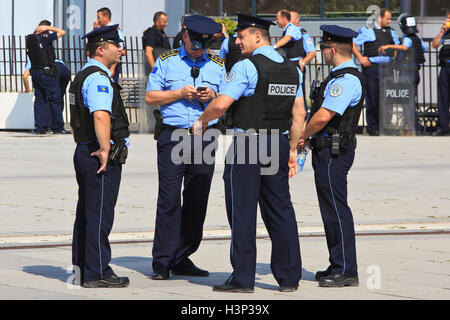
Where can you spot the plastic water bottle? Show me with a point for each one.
(301, 158)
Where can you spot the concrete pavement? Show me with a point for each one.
(396, 185)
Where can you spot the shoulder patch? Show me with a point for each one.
(169, 53)
(336, 90)
(215, 59)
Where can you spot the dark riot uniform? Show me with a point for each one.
(93, 90)
(444, 85)
(158, 40)
(332, 157)
(410, 61)
(43, 71)
(264, 88)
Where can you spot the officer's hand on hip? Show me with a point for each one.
(292, 164)
(188, 92)
(103, 157)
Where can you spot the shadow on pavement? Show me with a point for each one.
(50, 272)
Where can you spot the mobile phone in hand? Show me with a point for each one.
(201, 88)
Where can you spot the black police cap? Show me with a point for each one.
(336, 33)
(102, 34)
(245, 21)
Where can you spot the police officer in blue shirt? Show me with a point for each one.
(373, 39)
(307, 50)
(410, 57)
(332, 126)
(42, 56)
(288, 45)
(183, 82)
(443, 39)
(100, 129)
(266, 102)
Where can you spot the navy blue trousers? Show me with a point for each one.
(179, 220)
(47, 95)
(97, 196)
(245, 187)
(443, 98)
(330, 173)
(372, 74)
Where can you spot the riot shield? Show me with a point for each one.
(397, 97)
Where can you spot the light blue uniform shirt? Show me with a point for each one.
(97, 91)
(308, 43)
(28, 65)
(294, 32)
(173, 72)
(243, 77)
(343, 91)
(224, 48)
(368, 35)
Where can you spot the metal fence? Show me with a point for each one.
(71, 50)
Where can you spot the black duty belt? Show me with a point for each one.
(189, 130)
(321, 142)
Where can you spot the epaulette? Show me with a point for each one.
(169, 53)
(215, 59)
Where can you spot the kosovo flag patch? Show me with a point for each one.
(104, 89)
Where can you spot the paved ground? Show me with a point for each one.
(397, 185)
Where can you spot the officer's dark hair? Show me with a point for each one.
(105, 11)
(344, 49)
(264, 33)
(383, 12)
(91, 48)
(285, 13)
(158, 15)
(45, 23)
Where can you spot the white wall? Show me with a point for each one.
(6, 20)
(28, 14)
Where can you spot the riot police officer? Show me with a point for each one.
(265, 96)
(100, 129)
(372, 39)
(330, 133)
(443, 38)
(183, 82)
(43, 71)
(155, 40)
(410, 57)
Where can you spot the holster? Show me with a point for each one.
(118, 153)
(158, 123)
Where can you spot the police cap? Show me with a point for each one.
(106, 33)
(336, 33)
(201, 30)
(245, 21)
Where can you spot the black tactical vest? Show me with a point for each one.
(416, 52)
(444, 53)
(164, 40)
(383, 37)
(81, 120)
(346, 124)
(234, 54)
(39, 57)
(294, 49)
(271, 105)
